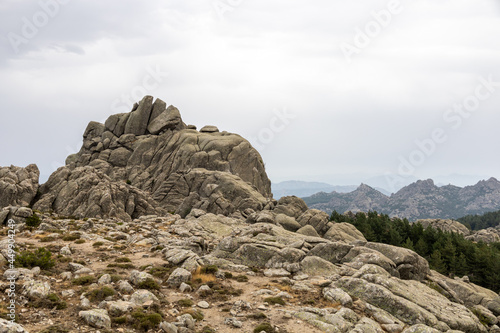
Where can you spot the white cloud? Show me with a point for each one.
(354, 120)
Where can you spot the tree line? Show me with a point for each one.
(448, 253)
(478, 222)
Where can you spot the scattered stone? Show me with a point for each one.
(203, 305)
(97, 318)
(178, 276)
(233, 322)
(141, 297)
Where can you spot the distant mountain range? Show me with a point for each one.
(420, 200)
(305, 189)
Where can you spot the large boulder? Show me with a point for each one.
(344, 232)
(409, 264)
(18, 186)
(291, 206)
(315, 218)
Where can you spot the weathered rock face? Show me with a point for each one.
(18, 186)
(87, 192)
(179, 168)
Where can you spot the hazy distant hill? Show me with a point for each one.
(304, 189)
(420, 200)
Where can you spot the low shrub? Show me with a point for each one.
(84, 280)
(100, 294)
(41, 257)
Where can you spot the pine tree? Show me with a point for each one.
(421, 247)
(408, 244)
(437, 262)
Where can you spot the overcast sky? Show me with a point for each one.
(334, 91)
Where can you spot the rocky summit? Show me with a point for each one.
(149, 162)
(155, 226)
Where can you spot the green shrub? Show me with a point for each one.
(54, 329)
(241, 278)
(196, 314)
(84, 280)
(264, 327)
(33, 221)
(146, 321)
(209, 269)
(115, 278)
(185, 303)
(122, 266)
(208, 329)
(40, 257)
(119, 320)
(100, 294)
(97, 244)
(160, 271)
(124, 259)
(275, 300)
(47, 239)
(50, 302)
(258, 315)
(149, 284)
(80, 241)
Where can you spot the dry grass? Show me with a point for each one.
(202, 278)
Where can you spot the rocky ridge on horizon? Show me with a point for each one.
(156, 223)
(420, 200)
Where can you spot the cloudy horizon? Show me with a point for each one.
(326, 91)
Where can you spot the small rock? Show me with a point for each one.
(73, 266)
(280, 272)
(209, 129)
(6, 326)
(66, 251)
(204, 289)
(203, 305)
(186, 320)
(85, 303)
(168, 327)
(105, 279)
(178, 276)
(37, 289)
(185, 288)
(140, 297)
(125, 287)
(97, 318)
(119, 308)
(137, 277)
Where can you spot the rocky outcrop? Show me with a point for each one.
(445, 225)
(167, 165)
(18, 186)
(489, 235)
(420, 200)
